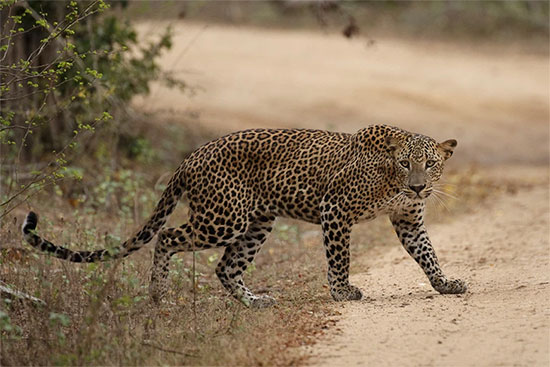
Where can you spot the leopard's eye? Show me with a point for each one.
(404, 164)
(430, 163)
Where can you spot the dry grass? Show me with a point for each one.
(100, 314)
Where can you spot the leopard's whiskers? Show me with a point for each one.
(441, 184)
(432, 200)
(393, 207)
(444, 193)
(435, 194)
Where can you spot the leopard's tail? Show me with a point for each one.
(164, 208)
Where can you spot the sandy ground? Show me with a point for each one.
(486, 98)
(502, 250)
(494, 101)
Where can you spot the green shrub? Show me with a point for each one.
(68, 72)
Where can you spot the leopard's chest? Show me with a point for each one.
(390, 202)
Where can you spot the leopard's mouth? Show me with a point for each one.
(416, 196)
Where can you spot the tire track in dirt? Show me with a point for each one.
(502, 251)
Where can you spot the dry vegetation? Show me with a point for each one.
(100, 313)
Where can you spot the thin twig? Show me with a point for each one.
(167, 350)
(54, 37)
(9, 37)
(13, 127)
(9, 292)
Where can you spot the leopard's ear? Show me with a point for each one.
(446, 148)
(392, 144)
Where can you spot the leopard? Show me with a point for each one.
(237, 185)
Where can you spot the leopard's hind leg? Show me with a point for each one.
(238, 256)
(170, 241)
(239, 253)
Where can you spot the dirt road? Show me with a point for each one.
(502, 250)
(494, 101)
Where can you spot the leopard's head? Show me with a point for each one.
(419, 162)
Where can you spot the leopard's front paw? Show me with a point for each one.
(346, 293)
(455, 286)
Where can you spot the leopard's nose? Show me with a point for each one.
(417, 188)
